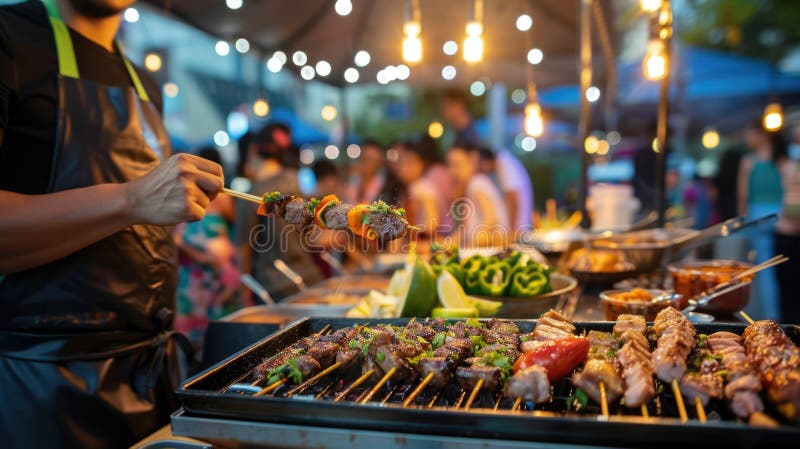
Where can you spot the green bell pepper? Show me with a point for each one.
(533, 280)
(517, 260)
(471, 282)
(475, 262)
(494, 279)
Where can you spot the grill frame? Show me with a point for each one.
(202, 396)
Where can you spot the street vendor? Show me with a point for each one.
(88, 191)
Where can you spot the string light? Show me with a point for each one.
(592, 94)
(343, 7)
(234, 4)
(534, 124)
(773, 117)
(351, 75)
(307, 72)
(152, 62)
(524, 22)
(171, 90)
(329, 113)
(242, 45)
(450, 48)
(528, 143)
(655, 61)
(353, 151)
(131, 15)
(299, 58)
(448, 72)
(391, 72)
(477, 88)
(280, 56)
(435, 130)
(651, 5)
(331, 151)
(362, 58)
(274, 65)
(260, 107)
(323, 68)
(535, 56)
(710, 139)
(222, 48)
(403, 72)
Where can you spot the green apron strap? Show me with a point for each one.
(68, 65)
(137, 83)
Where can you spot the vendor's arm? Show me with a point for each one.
(38, 229)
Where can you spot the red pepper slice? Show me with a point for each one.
(262, 210)
(319, 211)
(559, 357)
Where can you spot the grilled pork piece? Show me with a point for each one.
(701, 386)
(307, 366)
(777, 360)
(467, 377)
(461, 329)
(743, 381)
(530, 384)
(454, 350)
(550, 326)
(595, 371)
(675, 342)
(324, 352)
(630, 323)
(502, 326)
(336, 217)
(295, 212)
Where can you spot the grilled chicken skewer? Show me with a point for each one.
(599, 378)
(676, 339)
(701, 382)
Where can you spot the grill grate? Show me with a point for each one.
(226, 391)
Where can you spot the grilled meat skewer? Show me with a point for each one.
(634, 359)
(701, 381)
(743, 383)
(676, 339)
(777, 359)
(599, 369)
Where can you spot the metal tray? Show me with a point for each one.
(202, 396)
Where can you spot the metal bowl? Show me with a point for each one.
(691, 278)
(604, 277)
(648, 249)
(534, 306)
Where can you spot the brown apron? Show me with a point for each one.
(87, 351)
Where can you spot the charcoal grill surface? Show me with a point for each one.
(205, 396)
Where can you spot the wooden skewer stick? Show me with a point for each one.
(274, 386)
(413, 395)
(460, 399)
(517, 403)
(603, 399)
(379, 385)
(390, 394)
(473, 394)
(746, 317)
(355, 385)
(243, 196)
(676, 390)
(645, 412)
(434, 399)
(497, 402)
(300, 388)
(701, 411)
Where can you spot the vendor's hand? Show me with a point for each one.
(178, 190)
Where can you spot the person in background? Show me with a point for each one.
(423, 202)
(263, 240)
(513, 180)
(208, 279)
(455, 111)
(439, 178)
(327, 177)
(760, 193)
(787, 233)
(368, 178)
(480, 212)
(487, 164)
(726, 183)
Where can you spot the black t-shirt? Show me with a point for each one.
(28, 87)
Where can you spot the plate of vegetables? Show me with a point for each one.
(525, 287)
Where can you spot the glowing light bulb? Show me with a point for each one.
(260, 107)
(131, 15)
(473, 44)
(655, 61)
(534, 124)
(171, 90)
(329, 113)
(222, 48)
(152, 62)
(710, 139)
(412, 44)
(773, 117)
(343, 7)
(351, 75)
(524, 22)
(435, 130)
(651, 5)
(362, 58)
